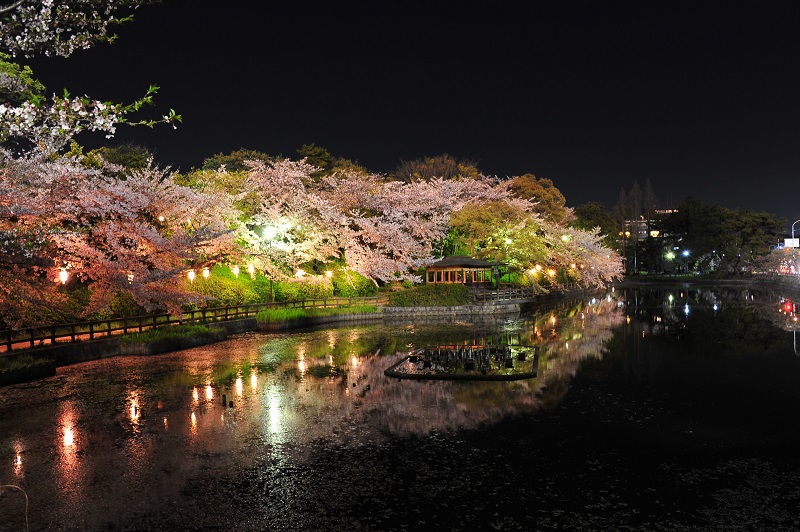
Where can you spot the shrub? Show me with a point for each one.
(347, 283)
(310, 287)
(224, 288)
(431, 295)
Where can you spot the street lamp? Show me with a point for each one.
(793, 231)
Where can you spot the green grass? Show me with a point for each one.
(170, 332)
(287, 314)
(8, 363)
(431, 295)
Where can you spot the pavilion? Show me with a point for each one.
(463, 270)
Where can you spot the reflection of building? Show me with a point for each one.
(462, 270)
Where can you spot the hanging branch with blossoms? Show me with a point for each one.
(50, 125)
(60, 27)
(50, 27)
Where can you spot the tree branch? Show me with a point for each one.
(11, 7)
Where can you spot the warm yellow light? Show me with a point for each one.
(209, 392)
(206, 272)
(161, 218)
(63, 275)
(191, 275)
(565, 238)
(627, 234)
(538, 267)
(299, 273)
(130, 277)
(251, 270)
(239, 386)
(551, 272)
(270, 232)
(328, 274)
(69, 437)
(654, 233)
(235, 270)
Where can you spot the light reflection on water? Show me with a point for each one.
(144, 424)
(98, 432)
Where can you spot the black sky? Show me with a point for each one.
(699, 97)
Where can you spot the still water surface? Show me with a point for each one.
(660, 409)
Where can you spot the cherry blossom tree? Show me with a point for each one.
(136, 235)
(580, 254)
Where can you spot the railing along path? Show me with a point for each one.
(13, 339)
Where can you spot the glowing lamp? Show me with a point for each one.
(63, 275)
(190, 274)
(235, 271)
(251, 270)
(206, 273)
(328, 274)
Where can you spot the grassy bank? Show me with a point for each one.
(287, 314)
(431, 295)
(22, 368)
(167, 333)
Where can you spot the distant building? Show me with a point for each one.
(640, 228)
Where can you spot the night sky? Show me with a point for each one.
(701, 98)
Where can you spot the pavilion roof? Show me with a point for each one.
(456, 261)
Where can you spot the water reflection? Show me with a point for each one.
(18, 471)
(132, 425)
(734, 318)
(70, 443)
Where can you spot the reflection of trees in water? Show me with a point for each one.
(339, 391)
(729, 319)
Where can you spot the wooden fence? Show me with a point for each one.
(503, 294)
(89, 330)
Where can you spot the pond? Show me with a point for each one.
(669, 408)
